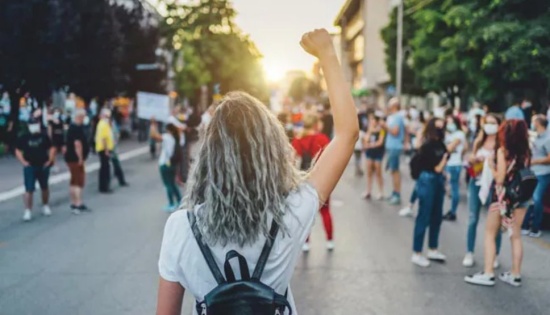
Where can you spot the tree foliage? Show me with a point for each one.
(494, 50)
(302, 88)
(91, 46)
(214, 50)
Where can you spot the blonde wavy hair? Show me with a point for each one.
(244, 172)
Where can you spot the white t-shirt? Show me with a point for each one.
(483, 154)
(456, 156)
(167, 148)
(182, 261)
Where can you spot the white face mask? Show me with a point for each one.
(34, 128)
(490, 129)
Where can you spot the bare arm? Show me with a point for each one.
(453, 145)
(366, 140)
(499, 172)
(441, 166)
(51, 155)
(20, 157)
(154, 134)
(380, 141)
(329, 168)
(170, 298)
(541, 161)
(78, 150)
(393, 131)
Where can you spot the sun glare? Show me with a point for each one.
(274, 72)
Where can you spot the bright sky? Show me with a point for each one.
(277, 26)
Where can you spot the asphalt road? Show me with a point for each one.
(104, 262)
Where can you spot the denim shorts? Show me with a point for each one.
(392, 164)
(32, 174)
(375, 157)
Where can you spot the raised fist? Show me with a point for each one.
(317, 43)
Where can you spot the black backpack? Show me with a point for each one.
(307, 157)
(414, 166)
(247, 296)
(521, 187)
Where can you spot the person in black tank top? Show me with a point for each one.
(374, 145)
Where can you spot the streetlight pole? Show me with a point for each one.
(399, 61)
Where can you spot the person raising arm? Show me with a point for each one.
(331, 164)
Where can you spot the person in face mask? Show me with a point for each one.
(56, 130)
(483, 148)
(540, 165)
(430, 188)
(104, 146)
(37, 155)
(455, 140)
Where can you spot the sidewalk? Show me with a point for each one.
(12, 171)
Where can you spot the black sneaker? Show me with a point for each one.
(83, 207)
(449, 217)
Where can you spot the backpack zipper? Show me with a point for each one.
(203, 312)
(278, 312)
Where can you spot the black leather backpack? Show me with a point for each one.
(247, 296)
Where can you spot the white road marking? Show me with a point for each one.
(59, 178)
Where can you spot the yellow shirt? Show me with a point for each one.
(104, 133)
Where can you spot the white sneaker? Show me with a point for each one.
(420, 260)
(330, 245)
(468, 260)
(75, 211)
(305, 248)
(481, 278)
(27, 216)
(46, 211)
(535, 235)
(525, 232)
(406, 212)
(496, 264)
(378, 197)
(512, 280)
(436, 255)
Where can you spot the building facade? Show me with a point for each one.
(362, 46)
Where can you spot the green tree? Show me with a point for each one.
(302, 88)
(493, 50)
(411, 84)
(213, 48)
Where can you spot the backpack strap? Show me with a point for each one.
(206, 253)
(259, 270)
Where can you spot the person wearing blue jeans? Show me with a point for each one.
(455, 140)
(540, 165)
(474, 206)
(533, 218)
(483, 148)
(430, 189)
(454, 181)
(395, 140)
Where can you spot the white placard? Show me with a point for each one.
(151, 105)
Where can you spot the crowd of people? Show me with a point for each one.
(443, 149)
(257, 177)
(39, 134)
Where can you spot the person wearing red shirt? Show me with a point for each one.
(308, 148)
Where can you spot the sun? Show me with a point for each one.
(274, 72)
